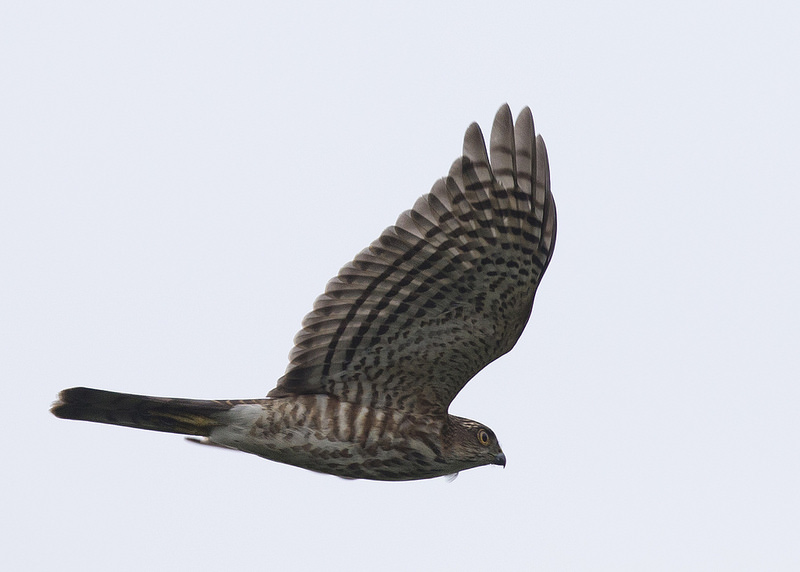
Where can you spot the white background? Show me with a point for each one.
(180, 179)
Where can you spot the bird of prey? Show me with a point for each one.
(396, 334)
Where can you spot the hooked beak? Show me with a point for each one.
(500, 459)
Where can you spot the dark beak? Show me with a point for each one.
(500, 459)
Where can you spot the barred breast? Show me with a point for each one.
(326, 435)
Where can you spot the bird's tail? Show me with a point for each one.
(184, 416)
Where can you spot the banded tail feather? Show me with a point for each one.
(170, 415)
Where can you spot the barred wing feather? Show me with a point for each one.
(442, 293)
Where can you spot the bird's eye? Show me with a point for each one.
(483, 436)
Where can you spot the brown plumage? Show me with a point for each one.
(396, 335)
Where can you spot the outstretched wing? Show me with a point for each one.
(442, 293)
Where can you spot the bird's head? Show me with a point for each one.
(472, 444)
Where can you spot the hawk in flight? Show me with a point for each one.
(396, 335)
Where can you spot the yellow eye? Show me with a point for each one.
(483, 436)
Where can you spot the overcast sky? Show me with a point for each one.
(178, 181)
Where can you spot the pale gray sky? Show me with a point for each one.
(180, 179)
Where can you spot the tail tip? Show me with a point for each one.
(70, 401)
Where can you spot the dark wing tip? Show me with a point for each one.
(474, 144)
(503, 121)
(502, 148)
